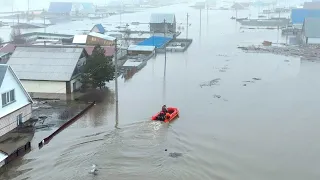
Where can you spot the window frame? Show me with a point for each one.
(9, 98)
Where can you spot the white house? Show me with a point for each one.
(16, 103)
(49, 72)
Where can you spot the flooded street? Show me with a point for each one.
(242, 116)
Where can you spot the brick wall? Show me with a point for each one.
(9, 122)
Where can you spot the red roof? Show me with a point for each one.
(109, 50)
(7, 48)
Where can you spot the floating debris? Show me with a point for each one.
(257, 79)
(248, 81)
(175, 155)
(211, 83)
(216, 96)
(307, 52)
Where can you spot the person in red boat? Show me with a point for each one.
(164, 109)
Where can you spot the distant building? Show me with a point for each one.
(311, 31)
(157, 23)
(311, 5)
(31, 38)
(298, 15)
(156, 41)
(98, 28)
(238, 6)
(50, 72)
(70, 8)
(94, 38)
(15, 107)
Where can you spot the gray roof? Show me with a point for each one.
(160, 17)
(45, 63)
(312, 27)
(3, 70)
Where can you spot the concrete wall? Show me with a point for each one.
(9, 122)
(313, 40)
(21, 99)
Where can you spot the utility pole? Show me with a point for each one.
(165, 48)
(200, 20)
(116, 69)
(187, 25)
(116, 80)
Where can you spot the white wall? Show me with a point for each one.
(314, 41)
(78, 83)
(9, 122)
(9, 83)
(44, 86)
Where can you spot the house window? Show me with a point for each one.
(8, 98)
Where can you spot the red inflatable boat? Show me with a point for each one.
(171, 115)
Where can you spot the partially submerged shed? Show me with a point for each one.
(311, 31)
(138, 49)
(48, 71)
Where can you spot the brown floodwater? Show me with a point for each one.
(242, 116)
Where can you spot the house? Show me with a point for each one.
(157, 23)
(16, 103)
(98, 28)
(108, 50)
(50, 72)
(94, 38)
(311, 31)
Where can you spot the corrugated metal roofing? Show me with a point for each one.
(79, 39)
(312, 27)
(3, 70)
(100, 28)
(60, 7)
(45, 63)
(160, 17)
(298, 15)
(102, 36)
(140, 48)
(156, 41)
(311, 5)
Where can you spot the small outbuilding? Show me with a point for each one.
(157, 24)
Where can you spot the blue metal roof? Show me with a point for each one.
(156, 41)
(298, 15)
(100, 28)
(60, 7)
